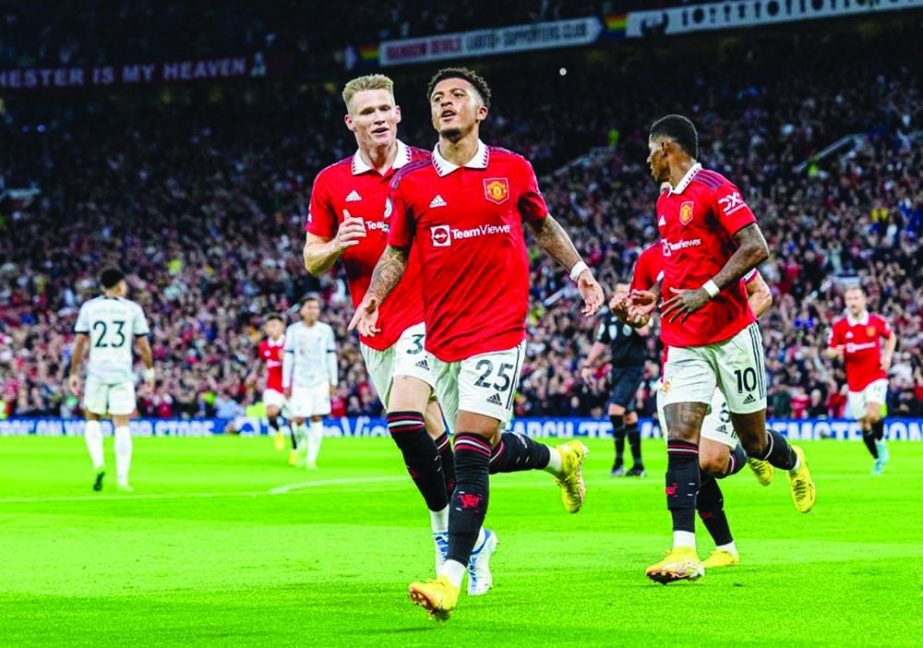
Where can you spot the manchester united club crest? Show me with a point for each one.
(685, 212)
(870, 330)
(497, 190)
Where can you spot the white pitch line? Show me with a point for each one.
(281, 490)
(125, 497)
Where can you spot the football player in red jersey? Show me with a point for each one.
(856, 340)
(463, 214)
(347, 221)
(270, 356)
(710, 241)
(720, 451)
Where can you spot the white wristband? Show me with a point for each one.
(149, 374)
(711, 288)
(577, 270)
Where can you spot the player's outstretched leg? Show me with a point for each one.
(710, 504)
(466, 516)
(93, 436)
(517, 452)
(769, 445)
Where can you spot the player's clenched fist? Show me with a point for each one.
(73, 382)
(350, 232)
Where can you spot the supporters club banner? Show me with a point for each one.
(46, 78)
(749, 13)
(899, 429)
(489, 42)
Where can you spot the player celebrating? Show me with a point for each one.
(627, 345)
(270, 355)
(309, 375)
(854, 338)
(720, 452)
(347, 220)
(462, 213)
(109, 323)
(710, 241)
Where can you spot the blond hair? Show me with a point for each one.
(367, 82)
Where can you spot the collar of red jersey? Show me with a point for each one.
(360, 166)
(690, 174)
(862, 321)
(479, 161)
(275, 343)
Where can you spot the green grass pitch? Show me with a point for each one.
(224, 544)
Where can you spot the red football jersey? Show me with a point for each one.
(466, 223)
(271, 353)
(648, 270)
(698, 219)
(353, 185)
(861, 348)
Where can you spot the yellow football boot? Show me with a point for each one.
(278, 440)
(680, 563)
(573, 488)
(803, 490)
(294, 458)
(438, 597)
(721, 558)
(762, 470)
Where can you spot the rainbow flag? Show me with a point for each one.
(615, 25)
(368, 52)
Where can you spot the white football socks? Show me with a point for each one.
(315, 435)
(554, 462)
(122, 453)
(729, 547)
(454, 571)
(93, 435)
(683, 539)
(439, 520)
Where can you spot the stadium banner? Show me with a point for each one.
(490, 42)
(899, 429)
(47, 78)
(732, 14)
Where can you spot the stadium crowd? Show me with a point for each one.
(200, 195)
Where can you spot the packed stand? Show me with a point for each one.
(201, 199)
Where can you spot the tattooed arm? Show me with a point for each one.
(386, 275)
(552, 238)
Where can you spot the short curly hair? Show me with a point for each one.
(469, 75)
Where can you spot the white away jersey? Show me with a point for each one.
(310, 356)
(111, 323)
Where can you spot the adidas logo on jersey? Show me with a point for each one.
(849, 335)
(423, 365)
(662, 222)
(495, 399)
(437, 202)
(353, 196)
(749, 399)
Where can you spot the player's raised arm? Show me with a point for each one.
(386, 275)
(555, 242)
(321, 253)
